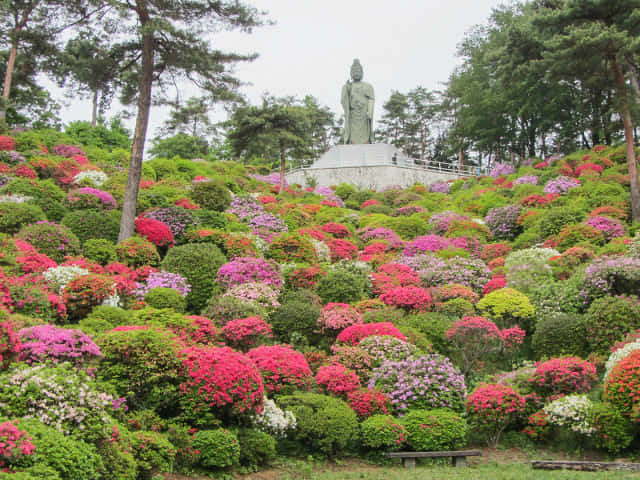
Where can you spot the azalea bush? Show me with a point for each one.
(245, 333)
(337, 316)
(383, 432)
(48, 343)
(282, 368)
(337, 379)
(249, 270)
(561, 376)
(367, 402)
(435, 430)
(621, 386)
(354, 334)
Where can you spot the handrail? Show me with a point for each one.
(441, 167)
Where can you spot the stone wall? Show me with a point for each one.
(372, 176)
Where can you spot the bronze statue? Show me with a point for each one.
(357, 101)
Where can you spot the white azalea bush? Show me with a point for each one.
(274, 420)
(96, 177)
(571, 412)
(60, 276)
(618, 355)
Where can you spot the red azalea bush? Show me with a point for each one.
(245, 333)
(10, 344)
(367, 402)
(538, 426)
(338, 316)
(282, 368)
(538, 200)
(355, 333)
(588, 168)
(337, 230)
(496, 283)
(154, 231)
(393, 275)
(85, 292)
(305, 278)
(15, 444)
(7, 143)
(352, 357)
(35, 262)
(492, 251)
(202, 330)
(342, 249)
(292, 248)
(221, 380)
(337, 379)
(408, 298)
(491, 408)
(622, 386)
(136, 252)
(369, 203)
(563, 376)
(24, 171)
(454, 290)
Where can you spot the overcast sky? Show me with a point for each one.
(309, 50)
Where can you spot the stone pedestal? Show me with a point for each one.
(365, 155)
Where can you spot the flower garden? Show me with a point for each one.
(242, 323)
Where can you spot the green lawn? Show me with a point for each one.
(482, 470)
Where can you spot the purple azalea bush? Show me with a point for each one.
(502, 222)
(611, 276)
(371, 234)
(177, 219)
(526, 180)
(105, 198)
(610, 227)
(500, 169)
(67, 150)
(440, 187)
(429, 381)
(561, 185)
(166, 280)
(436, 272)
(250, 270)
(442, 220)
(249, 211)
(426, 243)
(44, 343)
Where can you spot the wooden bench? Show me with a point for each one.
(458, 459)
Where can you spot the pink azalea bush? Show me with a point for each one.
(248, 269)
(56, 344)
(338, 316)
(337, 379)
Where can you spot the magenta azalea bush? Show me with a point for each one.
(250, 270)
(48, 343)
(561, 185)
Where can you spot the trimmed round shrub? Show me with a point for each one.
(85, 292)
(154, 231)
(136, 252)
(615, 275)
(99, 250)
(162, 297)
(218, 448)
(613, 432)
(292, 248)
(299, 318)
(324, 425)
(224, 309)
(340, 286)
(105, 317)
(609, 319)
(560, 334)
(66, 455)
(354, 334)
(257, 448)
(337, 316)
(434, 430)
(55, 241)
(221, 381)
(507, 307)
(211, 195)
(92, 224)
(143, 365)
(430, 381)
(245, 333)
(383, 432)
(282, 368)
(199, 264)
(491, 408)
(383, 348)
(503, 221)
(408, 298)
(243, 270)
(563, 376)
(367, 402)
(14, 216)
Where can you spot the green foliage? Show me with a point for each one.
(92, 224)
(35, 472)
(211, 195)
(340, 287)
(434, 326)
(55, 241)
(14, 216)
(383, 432)
(136, 252)
(554, 220)
(218, 448)
(224, 309)
(161, 297)
(613, 431)
(103, 318)
(345, 190)
(257, 448)
(295, 318)
(99, 250)
(507, 307)
(110, 137)
(153, 453)
(198, 263)
(324, 425)
(609, 319)
(560, 335)
(69, 457)
(434, 430)
(180, 145)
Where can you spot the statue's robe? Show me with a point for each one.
(357, 101)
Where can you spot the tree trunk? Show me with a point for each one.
(282, 167)
(634, 79)
(140, 134)
(8, 76)
(628, 137)
(94, 111)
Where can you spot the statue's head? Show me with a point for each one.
(356, 71)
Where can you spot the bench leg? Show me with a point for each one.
(459, 461)
(409, 462)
